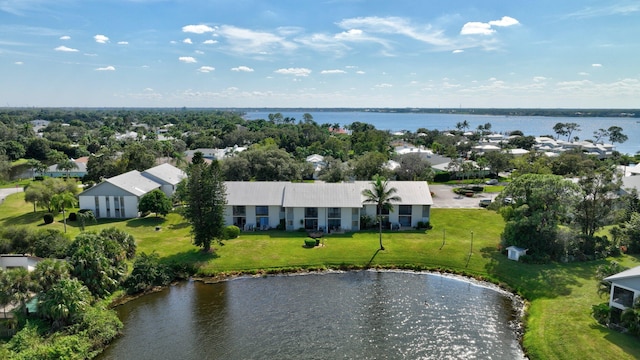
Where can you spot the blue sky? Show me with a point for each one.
(320, 53)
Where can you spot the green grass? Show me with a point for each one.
(559, 324)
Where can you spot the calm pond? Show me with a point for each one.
(336, 315)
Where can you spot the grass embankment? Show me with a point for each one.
(559, 325)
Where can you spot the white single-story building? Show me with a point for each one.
(625, 288)
(514, 252)
(11, 261)
(118, 197)
(320, 206)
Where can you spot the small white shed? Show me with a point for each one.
(514, 252)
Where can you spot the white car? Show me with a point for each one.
(492, 182)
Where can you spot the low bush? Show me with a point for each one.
(309, 242)
(601, 312)
(230, 232)
(73, 216)
(48, 218)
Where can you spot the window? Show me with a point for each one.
(425, 211)
(122, 212)
(334, 213)
(96, 200)
(334, 218)
(108, 202)
(622, 296)
(239, 216)
(116, 207)
(404, 215)
(262, 217)
(311, 218)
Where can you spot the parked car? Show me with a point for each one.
(492, 182)
(508, 200)
(485, 202)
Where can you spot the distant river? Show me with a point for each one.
(350, 315)
(529, 125)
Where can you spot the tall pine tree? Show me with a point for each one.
(206, 198)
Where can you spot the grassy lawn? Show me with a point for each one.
(559, 325)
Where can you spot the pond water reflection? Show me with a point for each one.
(350, 315)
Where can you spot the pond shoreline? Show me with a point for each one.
(518, 303)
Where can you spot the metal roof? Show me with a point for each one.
(345, 195)
(633, 272)
(255, 193)
(133, 182)
(167, 173)
(319, 194)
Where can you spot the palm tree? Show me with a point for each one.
(66, 165)
(65, 302)
(61, 202)
(381, 195)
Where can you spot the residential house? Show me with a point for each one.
(118, 197)
(78, 172)
(625, 289)
(320, 206)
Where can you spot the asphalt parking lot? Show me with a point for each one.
(445, 198)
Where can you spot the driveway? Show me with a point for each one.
(445, 198)
(8, 191)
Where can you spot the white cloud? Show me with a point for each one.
(582, 73)
(18, 63)
(394, 25)
(65, 49)
(209, 42)
(65, 37)
(539, 78)
(187, 41)
(206, 69)
(360, 72)
(106, 68)
(384, 85)
(242, 68)
(254, 42)
(333, 72)
(197, 29)
(102, 39)
(505, 21)
(476, 28)
(123, 43)
(607, 10)
(481, 28)
(457, 51)
(294, 71)
(199, 52)
(187, 59)
(596, 65)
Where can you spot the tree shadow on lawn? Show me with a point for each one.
(627, 343)
(538, 281)
(24, 219)
(147, 221)
(195, 257)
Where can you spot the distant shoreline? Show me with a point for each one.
(551, 112)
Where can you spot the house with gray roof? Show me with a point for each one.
(118, 196)
(625, 289)
(320, 206)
